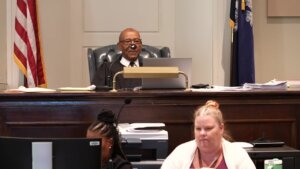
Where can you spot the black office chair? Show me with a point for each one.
(109, 54)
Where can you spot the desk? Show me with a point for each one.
(249, 114)
(290, 157)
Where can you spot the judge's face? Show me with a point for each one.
(208, 133)
(107, 144)
(127, 38)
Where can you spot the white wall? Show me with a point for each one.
(277, 45)
(55, 39)
(193, 36)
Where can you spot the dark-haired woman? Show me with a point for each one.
(105, 128)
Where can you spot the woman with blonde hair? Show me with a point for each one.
(209, 149)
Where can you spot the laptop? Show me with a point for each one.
(184, 65)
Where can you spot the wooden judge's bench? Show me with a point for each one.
(249, 115)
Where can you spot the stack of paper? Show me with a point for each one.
(293, 83)
(137, 127)
(273, 84)
(31, 90)
(88, 88)
(221, 89)
(143, 130)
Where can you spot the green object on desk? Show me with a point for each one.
(273, 164)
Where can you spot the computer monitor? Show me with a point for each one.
(67, 153)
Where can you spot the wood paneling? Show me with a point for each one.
(115, 15)
(283, 8)
(249, 115)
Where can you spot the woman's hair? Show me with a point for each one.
(211, 108)
(106, 127)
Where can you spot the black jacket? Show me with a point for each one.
(105, 73)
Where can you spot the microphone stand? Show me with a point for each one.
(110, 164)
(105, 62)
(126, 101)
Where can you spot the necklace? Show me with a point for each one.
(213, 163)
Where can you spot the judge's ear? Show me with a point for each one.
(119, 46)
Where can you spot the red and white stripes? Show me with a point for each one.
(27, 51)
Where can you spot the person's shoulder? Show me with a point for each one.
(186, 145)
(243, 159)
(115, 65)
(121, 163)
(233, 147)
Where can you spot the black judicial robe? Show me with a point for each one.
(105, 73)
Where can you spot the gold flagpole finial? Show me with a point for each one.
(243, 5)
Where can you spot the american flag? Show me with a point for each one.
(27, 50)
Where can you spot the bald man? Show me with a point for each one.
(130, 44)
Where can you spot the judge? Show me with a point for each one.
(130, 44)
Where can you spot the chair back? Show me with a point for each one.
(111, 52)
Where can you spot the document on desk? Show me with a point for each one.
(293, 83)
(221, 89)
(142, 127)
(146, 125)
(143, 130)
(273, 84)
(88, 88)
(31, 90)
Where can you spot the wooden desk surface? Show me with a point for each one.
(272, 150)
(249, 114)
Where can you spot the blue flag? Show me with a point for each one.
(242, 52)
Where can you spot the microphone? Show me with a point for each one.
(126, 101)
(105, 62)
(133, 46)
(107, 70)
